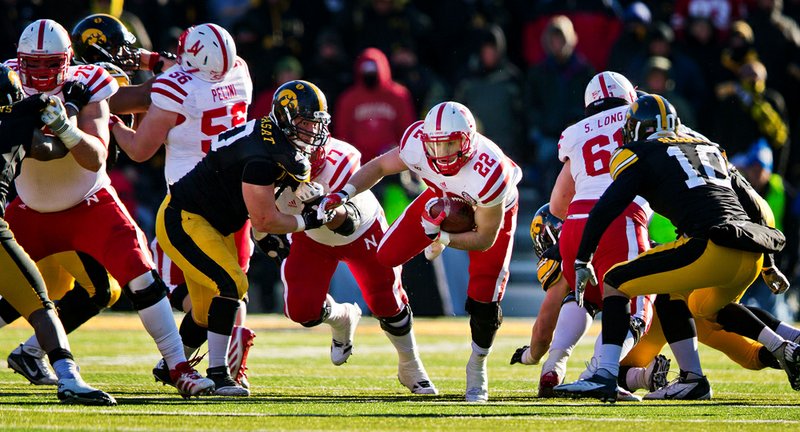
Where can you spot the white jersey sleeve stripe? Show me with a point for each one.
(167, 94)
(167, 83)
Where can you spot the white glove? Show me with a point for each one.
(433, 250)
(308, 192)
(584, 274)
(55, 117)
(775, 280)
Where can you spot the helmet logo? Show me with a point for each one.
(93, 36)
(196, 48)
(14, 79)
(537, 224)
(299, 86)
(288, 99)
(98, 20)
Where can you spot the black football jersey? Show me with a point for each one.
(17, 123)
(255, 153)
(684, 179)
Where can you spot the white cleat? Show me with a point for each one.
(477, 381)
(239, 347)
(412, 375)
(224, 385)
(433, 250)
(76, 391)
(343, 333)
(30, 363)
(189, 382)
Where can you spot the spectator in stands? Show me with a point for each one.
(632, 42)
(657, 80)
(493, 91)
(426, 87)
(286, 69)
(553, 99)
(720, 13)
(330, 67)
(375, 111)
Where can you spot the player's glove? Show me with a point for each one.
(520, 357)
(313, 216)
(584, 274)
(638, 326)
(775, 280)
(55, 117)
(309, 191)
(76, 94)
(432, 225)
(275, 246)
(166, 60)
(331, 201)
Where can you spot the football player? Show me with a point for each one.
(454, 160)
(83, 199)
(723, 246)
(585, 148)
(206, 93)
(238, 180)
(21, 284)
(354, 241)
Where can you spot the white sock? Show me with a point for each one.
(527, 358)
(405, 345)
(556, 361)
(610, 356)
(32, 342)
(338, 311)
(636, 379)
(573, 322)
(627, 345)
(770, 339)
(217, 349)
(160, 324)
(788, 332)
(686, 354)
(66, 369)
(478, 356)
(594, 362)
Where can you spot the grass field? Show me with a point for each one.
(295, 387)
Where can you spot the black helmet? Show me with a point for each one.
(10, 86)
(545, 229)
(649, 114)
(103, 38)
(301, 100)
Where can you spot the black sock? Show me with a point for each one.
(767, 359)
(765, 317)
(616, 319)
(736, 318)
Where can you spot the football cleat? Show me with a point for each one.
(477, 381)
(433, 250)
(626, 396)
(684, 388)
(597, 386)
(189, 382)
(412, 375)
(546, 383)
(161, 373)
(241, 341)
(76, 391)
(656, 372)
(343, 333)
(788, 356)
(224, 384)
(30, 363)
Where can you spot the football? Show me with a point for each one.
(460, 214)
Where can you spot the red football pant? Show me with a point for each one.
(488, 270)
(308, 270)
(99, 226)
(172, 275)
(624, 240)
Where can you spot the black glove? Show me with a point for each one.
(276, 246)
(159, 66)
(311, 216)
(76, 94)
(517, 356)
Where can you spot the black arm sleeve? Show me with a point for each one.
(747, 197)
(613, 202)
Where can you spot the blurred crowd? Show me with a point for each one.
(730, 67)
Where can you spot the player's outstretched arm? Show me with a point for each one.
(132, 99)
(365, 178)
(545, 324)
(487, 221)
(141, 144)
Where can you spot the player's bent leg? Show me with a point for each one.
(343, 319)
(410, 370)
(573, 322)
(485, 319)
(405, 238)
(221, 316)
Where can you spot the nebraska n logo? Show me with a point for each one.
(370, 242)
(194, 49)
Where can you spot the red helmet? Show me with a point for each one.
(44, 53)
(448, 136)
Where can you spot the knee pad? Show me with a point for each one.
(484, 320)
(222, 314)
(326, 311)
(592, 309)
(387, 323)
(144, 298)
(177, 296)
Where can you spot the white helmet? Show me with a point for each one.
(207, 51)
(44, 52)
(607, 85)
(448, 136)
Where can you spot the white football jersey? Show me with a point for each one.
(341, 161)
(205, 109)
(487, 179)
(60, 184)
(588, 145)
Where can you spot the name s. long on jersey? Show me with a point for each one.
(341, 161)
(205, 109)
(488, 178)
(60, 184)
(588, 145)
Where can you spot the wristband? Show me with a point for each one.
(71, 136)
(349, 189)
(301, 224)
(152, 61)
(444, 238)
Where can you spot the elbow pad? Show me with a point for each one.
(352, 220)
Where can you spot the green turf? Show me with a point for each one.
(295, 387)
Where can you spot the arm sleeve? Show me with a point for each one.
(755, 207)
